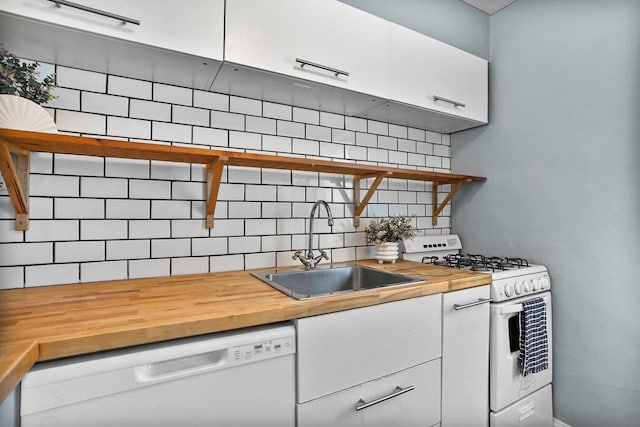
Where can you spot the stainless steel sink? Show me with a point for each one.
(332, 281)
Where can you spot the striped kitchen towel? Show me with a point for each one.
(534, 349)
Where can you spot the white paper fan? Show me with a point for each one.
(22, 114)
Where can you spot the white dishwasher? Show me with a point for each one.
(238, 378)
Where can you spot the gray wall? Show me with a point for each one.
(562, 157)
(450, 21)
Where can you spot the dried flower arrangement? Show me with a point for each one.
(392, 229)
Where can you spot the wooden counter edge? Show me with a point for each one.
(16, 360)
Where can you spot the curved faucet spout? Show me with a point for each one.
(308, 259)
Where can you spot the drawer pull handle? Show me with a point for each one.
(450, 101)
(123, 19)
(335, 71)
(471, 304)
(397, 392)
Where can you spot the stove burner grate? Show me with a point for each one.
(477, 262)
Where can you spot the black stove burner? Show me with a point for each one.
(477, 262)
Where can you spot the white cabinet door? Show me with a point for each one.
(272, 35)
(430, 74)
(194, 27)
(465, 358)
(413, 400)
(347, 348)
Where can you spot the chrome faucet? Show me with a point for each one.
(308, 259)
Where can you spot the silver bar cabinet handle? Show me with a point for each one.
(120, 18)
(397, 392)
(450, 101)
(304, 62)
(471, 304)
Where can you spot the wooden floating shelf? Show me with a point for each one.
(16, 145)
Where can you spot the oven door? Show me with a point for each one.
(507, 384)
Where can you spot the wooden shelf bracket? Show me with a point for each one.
(358, 207)
(214, 176)
(434, 199)
(14, 166)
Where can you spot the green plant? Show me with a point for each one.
(392, 229)
(21, 79)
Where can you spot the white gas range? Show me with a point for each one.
(515, 399)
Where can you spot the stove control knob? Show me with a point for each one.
(536, 284)
(508, 289)
(519, 288)
(528, 285)
(544, 282)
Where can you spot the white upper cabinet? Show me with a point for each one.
(281, 35)
(433, 75)
(193, 27)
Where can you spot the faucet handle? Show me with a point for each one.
(324, 255)
(296, 255)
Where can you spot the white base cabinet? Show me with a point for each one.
(418, 406)
(465, 358)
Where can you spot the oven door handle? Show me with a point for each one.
(514, 308)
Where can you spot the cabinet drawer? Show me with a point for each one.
(417, 407)
(347, 348)
(194, 27)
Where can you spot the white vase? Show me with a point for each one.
(21, 114)
(387, 252)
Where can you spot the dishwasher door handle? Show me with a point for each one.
(362, 404)
(180, 367)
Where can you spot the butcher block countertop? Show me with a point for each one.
(50, 322)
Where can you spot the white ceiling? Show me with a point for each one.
(489, 6)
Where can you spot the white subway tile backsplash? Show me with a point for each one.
(210, 100)
(212, 137)
(167, 248)
(128, 249)
(11, 277)
(245, 106)
(55, 274)
(149, 268)
(260, 125)
(261, 260)
(248, 141)
(188, 228)
(67, 99)
(170, 209)
(242, 245)
(318, 133)
(149, 110)
(226, 263)
(118, 218)
(149, 229)
(259, 227)
(229, 121)
(72, 121)
(52, 230)
(190, 115)
(276, 111)
(103, 187)
(170, 170)
(303, 146)
(192, 265)
(103, 229)
(105, 104)
(128, 209)
(292, 129)
(79, 251)
(65, 208)
(26, 253)
(102, 271)
(209, 246)
(126, 168)
(171, 132)
(81, 79)
(172, 94)
(128, 87)
(128, 128)
(331, 120)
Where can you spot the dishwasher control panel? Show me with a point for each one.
(262, 350)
